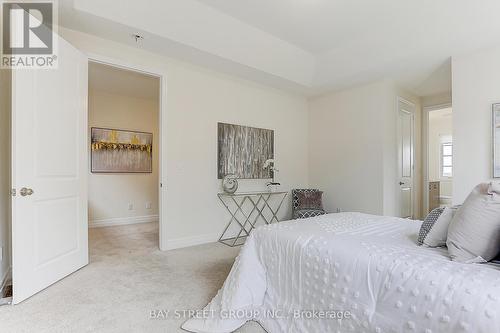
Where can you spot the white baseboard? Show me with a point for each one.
(179, 243)
(123, 221)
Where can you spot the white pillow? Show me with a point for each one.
(474, 232)
(439, 231)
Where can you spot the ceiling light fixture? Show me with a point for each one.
(138, 38)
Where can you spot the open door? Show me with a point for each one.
(406, 142)
(49, 145)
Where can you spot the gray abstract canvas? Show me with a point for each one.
(243, 150)
(496, 140)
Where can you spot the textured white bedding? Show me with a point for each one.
(367, 265)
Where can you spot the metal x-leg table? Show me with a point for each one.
(246, 219)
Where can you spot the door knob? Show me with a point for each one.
(401, 183)
(25, 191)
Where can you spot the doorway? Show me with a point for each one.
(439, 157)
(50, 169)
(124, 168)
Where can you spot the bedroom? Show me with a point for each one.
(334, 113)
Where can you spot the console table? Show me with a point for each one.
(247, 210)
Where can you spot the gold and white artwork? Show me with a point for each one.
(118, 151)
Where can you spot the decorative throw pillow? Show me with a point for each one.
(474, 232)
(310, 200)
(439, 231)
(428, 223)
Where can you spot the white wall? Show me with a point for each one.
(439, 126)
(110, 194)
(475, 88)
(346, 152)
(5, 179)
(353, 150)
(196, 100)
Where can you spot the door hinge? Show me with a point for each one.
(13, 192)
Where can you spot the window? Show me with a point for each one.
(446, 159)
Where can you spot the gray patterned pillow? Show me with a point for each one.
(428, 223)
(310, 200)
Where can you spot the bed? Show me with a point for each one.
(351, 272)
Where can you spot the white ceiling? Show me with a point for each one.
(322, 25)
(119, 81)
(442, 113)
(308, 45)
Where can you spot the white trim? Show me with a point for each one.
(123, 221)
(437, 107)
(179, 243)
(162, 75)
(425, 149)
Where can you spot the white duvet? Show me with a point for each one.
(305, 275)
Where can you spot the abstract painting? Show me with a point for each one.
(119, 151)
(243, 151)
(496, 140)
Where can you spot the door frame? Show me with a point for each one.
(162, 130)
(398, 187)
(425, 142)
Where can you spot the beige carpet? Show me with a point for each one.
(128, 276)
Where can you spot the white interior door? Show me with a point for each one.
(406, 142)
(49, 136)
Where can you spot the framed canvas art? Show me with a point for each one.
(496, 140)
(243, 151)
(121, 151)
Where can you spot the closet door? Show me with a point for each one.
(406, 151)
